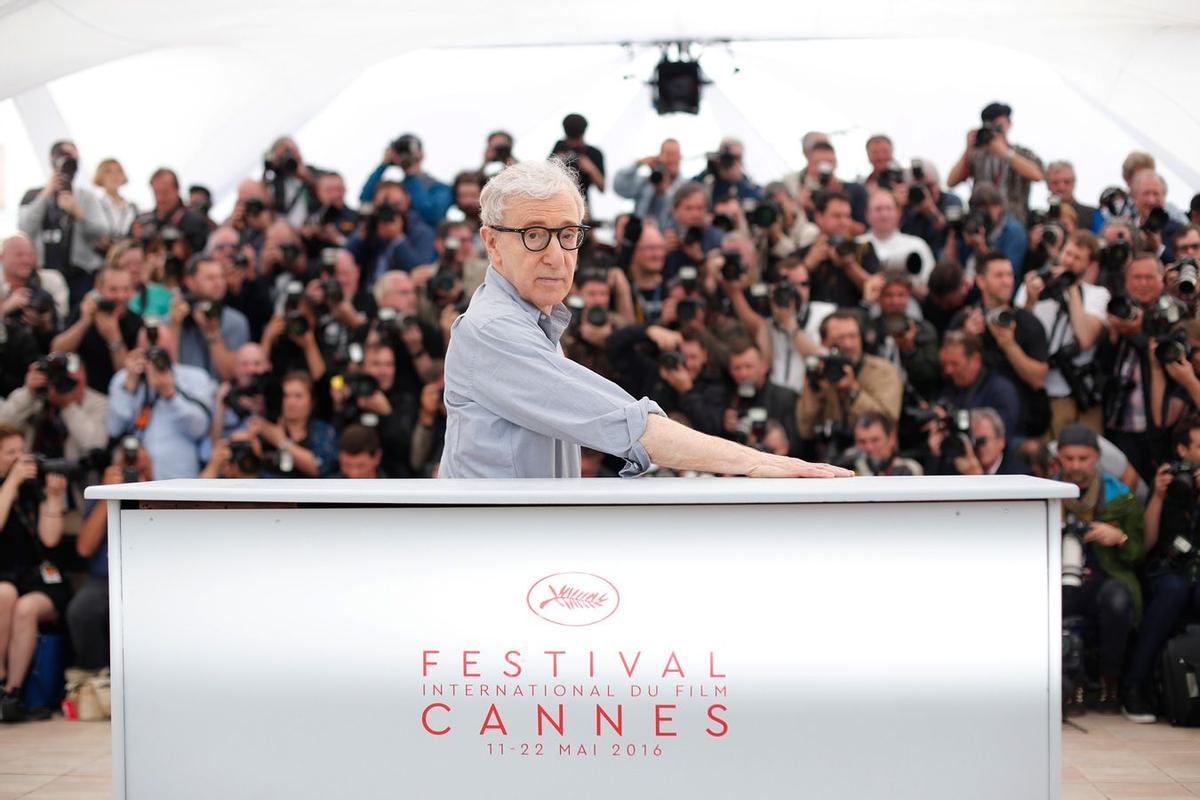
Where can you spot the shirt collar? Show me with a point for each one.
(553, 324)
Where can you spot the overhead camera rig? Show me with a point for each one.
(677, 78)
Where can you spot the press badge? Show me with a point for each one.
(50, 573)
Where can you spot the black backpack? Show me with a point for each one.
(1181, 678)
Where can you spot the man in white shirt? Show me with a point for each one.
(894, 249)
(1073, 310)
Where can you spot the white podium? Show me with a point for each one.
(656, 638)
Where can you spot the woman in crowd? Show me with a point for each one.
(32, 590)
(307, 447)
(119, 213)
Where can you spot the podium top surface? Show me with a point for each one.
(593, 492)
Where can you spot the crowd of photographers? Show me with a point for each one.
(877, 322)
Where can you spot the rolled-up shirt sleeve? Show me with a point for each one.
(517, 374)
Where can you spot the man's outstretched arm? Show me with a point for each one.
(676, 446)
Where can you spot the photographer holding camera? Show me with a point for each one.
(246, 289)
(87, 613)
(690, 236)
(297, 445)
(102, 329)
(793, 330)
(928, 208)
(58, 413)
(1073, 313)
(403, 158)
(651, 181)
(332, 221)
(170, 212)
(819, 177)
(290, 183)
(838, 266)
(339, 292)
(908, 343)
(990, 159)
(32, 589)
(1060, 180)
(983, 447)
(876, 451)
(846, 382)
(673, 368)
(580, 156)
(1014, 342)
(165, 404)
(725, 176)
(391, 234)
(1148, 191)
(1181, 351)
(208, 332)
(1135, 382)
(252, 214)
(586, 340)
(970, 384)
(754, 393)
(369, 396)
(35, 298)
(66, 224)
(896, 250)
(240, 455)
(988, 227)
(251, 390)
(1099, 579)
(1171, 575)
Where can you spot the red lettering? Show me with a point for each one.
(678, 669)
(543, 714)
(616, 726)
(629, 669)
(712, 715)
(425, 719)
(554, 654)
(468, 662)
(426, 663)
(508, 657)
(660, 718)
(712, 666)
(487, 722)
(591, 664)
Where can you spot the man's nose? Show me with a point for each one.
(554, 255)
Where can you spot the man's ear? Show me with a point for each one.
(490, 244)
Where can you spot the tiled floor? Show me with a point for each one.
(59, 760)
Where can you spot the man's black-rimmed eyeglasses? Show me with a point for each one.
(536, 238)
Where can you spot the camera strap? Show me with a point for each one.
(1058, 329)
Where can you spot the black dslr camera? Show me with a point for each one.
(295, 320)
(831, 367)
(58, 368)
(985, 134)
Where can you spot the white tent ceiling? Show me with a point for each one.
(204, 86)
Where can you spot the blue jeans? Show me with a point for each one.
(1167, 599)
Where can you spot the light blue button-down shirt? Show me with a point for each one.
(517, 407)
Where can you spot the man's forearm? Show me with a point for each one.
(69, 340)
(670, 444)
(1026, 168)
(1030, 370)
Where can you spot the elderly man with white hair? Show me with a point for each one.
(516, 406)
